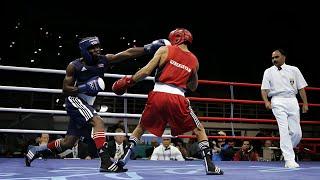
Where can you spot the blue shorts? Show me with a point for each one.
(80, 113)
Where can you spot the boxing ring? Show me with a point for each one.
(14, 168)
(59, 169)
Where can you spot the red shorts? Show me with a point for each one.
(163, 108)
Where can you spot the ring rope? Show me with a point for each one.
(15, 88)
(209, 82)
(246, 137)
(54, 71)
(241, 101)
(151, 135)
(251, 120)
(62, 112)
(32, 89)
(145, 96)
(127, 115)
(65, 132)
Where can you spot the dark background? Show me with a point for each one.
(233, 41)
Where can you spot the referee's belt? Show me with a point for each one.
(284, 96)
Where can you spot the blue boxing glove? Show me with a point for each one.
(92, 86)
(155, 45)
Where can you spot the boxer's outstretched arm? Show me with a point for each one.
(127, 54)
(160, 55)
(137, 51)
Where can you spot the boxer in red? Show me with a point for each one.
(177, 69)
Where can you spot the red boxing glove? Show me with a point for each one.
(120, 86)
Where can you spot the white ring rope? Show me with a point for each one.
(46, 90)
(27, 69)
(46, 111)
(32, 89)
(65, 132)
(55, 71)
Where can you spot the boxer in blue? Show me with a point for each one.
(82, 83)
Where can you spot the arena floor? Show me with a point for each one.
(58, 169)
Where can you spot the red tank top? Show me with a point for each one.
(178, 67)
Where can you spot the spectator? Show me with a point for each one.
(166, 151)
(268, 153)
(258, 144)
(181, 146)
(221, 142)
(246, 153)
(193, 149)
(119, 124)
(228, 151)
(116, 147)
(154, 144)
(218, 146)
(43, 139)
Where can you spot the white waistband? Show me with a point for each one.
(160, 87)
(284, 96)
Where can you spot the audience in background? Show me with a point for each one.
(154, 143)
(166, 151)
(218, 146)
(246, 153)
(43, 139)
(117, 145)
(119, 124)
(178, 143)
(228, 150)
(257, 143)
(268, 154)
(193, 149)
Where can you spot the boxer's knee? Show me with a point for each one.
(97, 122)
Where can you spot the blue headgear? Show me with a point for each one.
(84, 44)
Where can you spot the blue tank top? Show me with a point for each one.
(83, 72)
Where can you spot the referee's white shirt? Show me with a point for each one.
(283, 83)
(170, 153)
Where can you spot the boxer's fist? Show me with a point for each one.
(92, 86)
(155, 45)
(120, 86)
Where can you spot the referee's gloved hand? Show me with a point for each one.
(120, 86)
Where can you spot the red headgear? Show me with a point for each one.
(179, 36)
